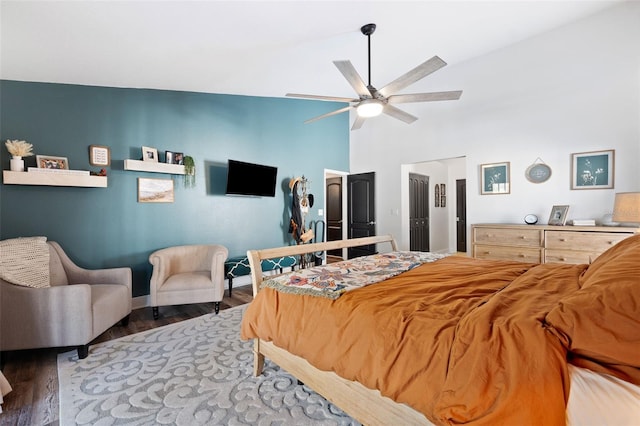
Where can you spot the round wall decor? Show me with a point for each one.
(538, 172)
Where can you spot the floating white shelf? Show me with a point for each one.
(150, 166)
(53, 179)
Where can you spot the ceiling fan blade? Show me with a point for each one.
(359, 121)
(329, 114)
(419, 72)
(425, 97)
(322, 98)
(399, 114)
(354, 79)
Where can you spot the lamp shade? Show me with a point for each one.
(626, 207)
(369, 108)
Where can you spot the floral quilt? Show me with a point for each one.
(333, 280)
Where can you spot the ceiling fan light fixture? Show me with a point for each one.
(370, 108)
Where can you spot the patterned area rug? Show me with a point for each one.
(195, 372)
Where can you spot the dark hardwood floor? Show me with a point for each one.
(33, 374)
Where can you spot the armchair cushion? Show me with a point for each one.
(25, 261)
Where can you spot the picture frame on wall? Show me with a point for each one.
(495, 178)
(155, 190)
(593, 170)
(99, 155)
(558, 215)
(436, 196)
(49, 162)
(149, 154)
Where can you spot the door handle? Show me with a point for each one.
(372, 222)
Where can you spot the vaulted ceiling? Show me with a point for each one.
(259, 48)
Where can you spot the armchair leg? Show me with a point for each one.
(83, 351)
(125, 321)
(155, 312)
(216, 307)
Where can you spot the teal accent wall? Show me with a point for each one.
(108, 227)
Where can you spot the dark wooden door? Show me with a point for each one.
(418, 212)
(334, 212)
(361, 214)
(461, 215)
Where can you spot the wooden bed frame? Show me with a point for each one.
(365, 405)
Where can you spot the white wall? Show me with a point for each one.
(574, 89)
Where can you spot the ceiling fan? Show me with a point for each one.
(371, 101)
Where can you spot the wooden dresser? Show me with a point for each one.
(545, 243)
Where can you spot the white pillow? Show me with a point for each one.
(25, 261)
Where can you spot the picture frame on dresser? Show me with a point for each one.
(495, 178)
(593, 170)
(558, 215)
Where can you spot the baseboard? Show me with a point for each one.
(140, 302)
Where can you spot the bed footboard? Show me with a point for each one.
(366, 405)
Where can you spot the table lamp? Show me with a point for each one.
(626, 208)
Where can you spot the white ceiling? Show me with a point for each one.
(259, 48)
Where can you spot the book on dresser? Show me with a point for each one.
(545, 243)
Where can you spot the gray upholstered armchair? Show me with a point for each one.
(187, 274)
(79, 305)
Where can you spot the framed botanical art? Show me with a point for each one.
(593, 170)
(558, 215)
(495, 178)
(49, 162)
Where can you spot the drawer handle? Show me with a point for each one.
(563, 239)
(521, 255)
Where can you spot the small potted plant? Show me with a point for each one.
(18, 149)
(189, 171)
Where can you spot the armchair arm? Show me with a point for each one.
(218, 256)
(44, 317)
(78, 275)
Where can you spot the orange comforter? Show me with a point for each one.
(460, 340)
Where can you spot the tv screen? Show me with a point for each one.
(251, 179)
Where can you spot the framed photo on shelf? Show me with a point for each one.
(593, 170)
(495, 178)
(558, 215)
(178, 158)
(155, 190)
(149, 154)
(49, 162)
(168, 157)
(99, 155)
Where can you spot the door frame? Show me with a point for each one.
(329, 173)
(456, 169)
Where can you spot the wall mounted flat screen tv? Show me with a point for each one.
(251, 179)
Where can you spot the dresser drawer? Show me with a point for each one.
(569, 256)
(508, 237)
(596, 242)
(519, 254)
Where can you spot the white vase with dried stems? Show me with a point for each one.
(18, 149)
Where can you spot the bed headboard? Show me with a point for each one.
(257, 256)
